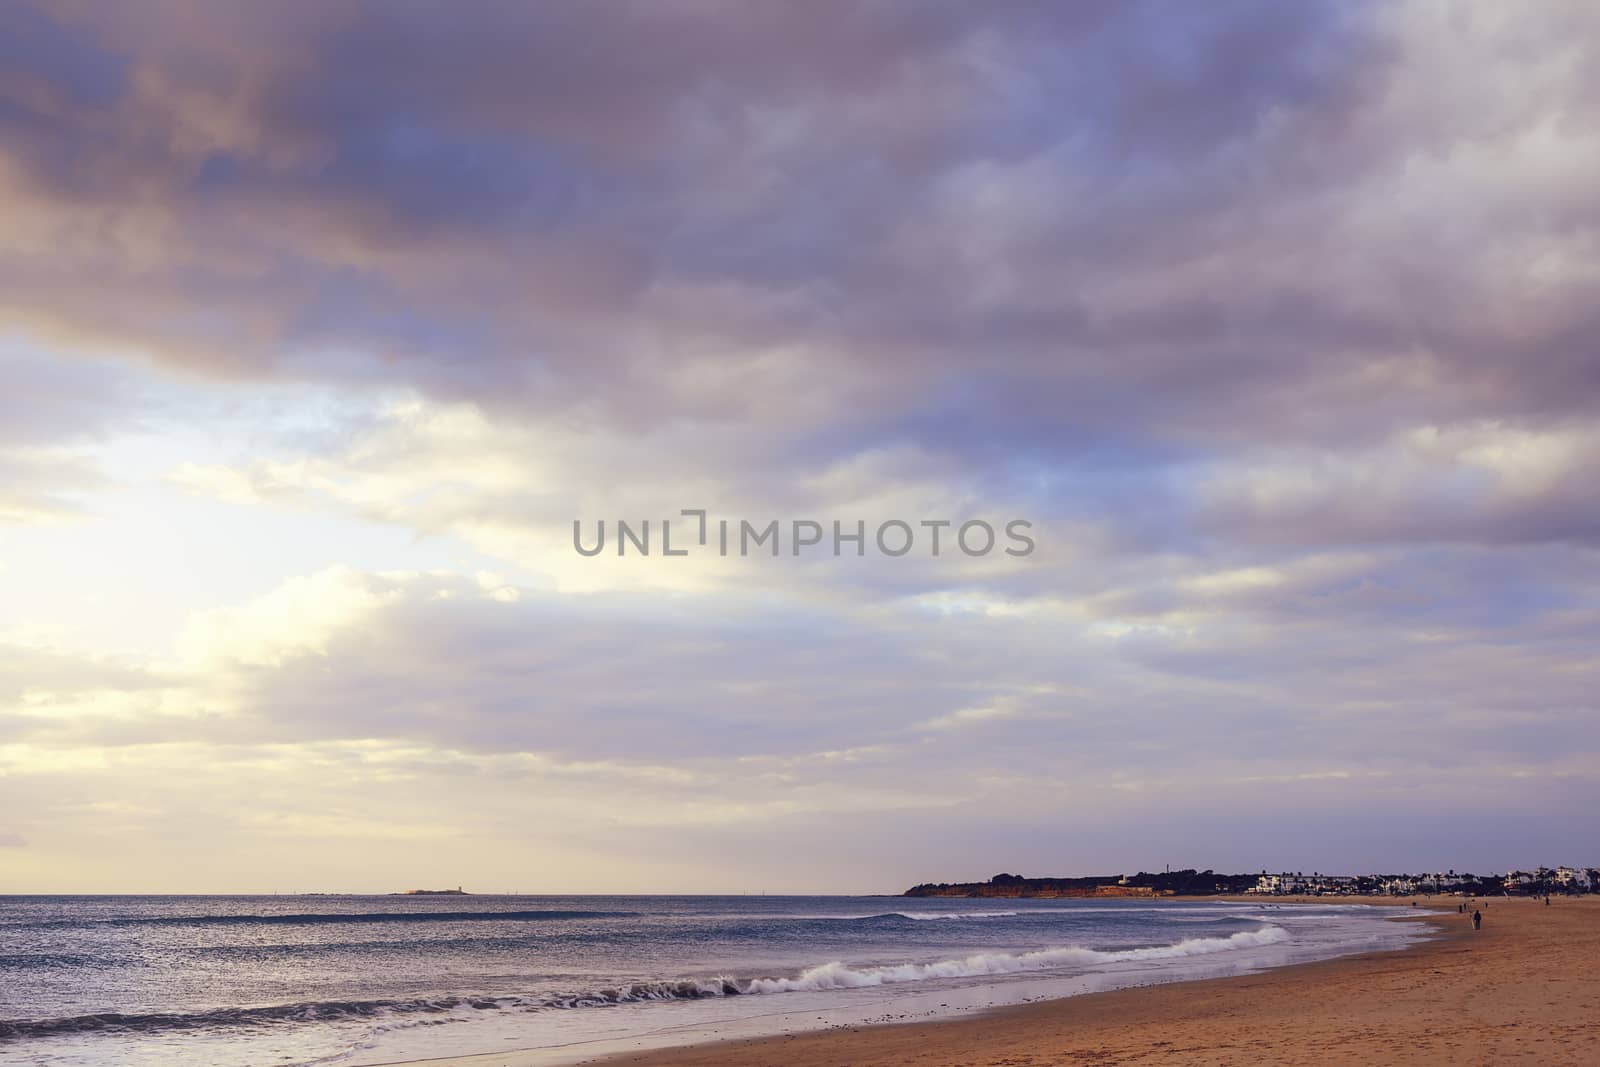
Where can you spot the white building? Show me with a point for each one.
(1516, 880)
(1280, 884)
(1441, 883)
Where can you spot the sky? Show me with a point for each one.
(322, 323)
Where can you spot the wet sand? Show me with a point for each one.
(1524, 989)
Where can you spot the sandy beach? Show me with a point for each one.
(1524, 989)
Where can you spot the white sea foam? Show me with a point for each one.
(835, 975)
(916, 915)
(838, 975)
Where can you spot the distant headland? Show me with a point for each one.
(1541, 881)
(1168, 883)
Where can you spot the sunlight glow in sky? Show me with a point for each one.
(323, 322)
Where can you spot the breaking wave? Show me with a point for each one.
(840, 976)
(827, 976)
(922, 916)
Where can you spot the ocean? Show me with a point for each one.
(300, 980)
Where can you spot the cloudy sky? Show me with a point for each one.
(321, 323)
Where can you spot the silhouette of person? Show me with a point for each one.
(1477, 919)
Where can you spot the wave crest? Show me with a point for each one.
(827, 976)
(838, 975)
(923, 916)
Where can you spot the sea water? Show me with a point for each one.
(235, 981)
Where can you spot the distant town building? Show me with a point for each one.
(1517, 881)
(1538, 881)
(1315, 884)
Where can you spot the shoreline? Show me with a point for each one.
(1521, 988)
(1361, 1008)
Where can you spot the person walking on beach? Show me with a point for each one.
(1477, 919)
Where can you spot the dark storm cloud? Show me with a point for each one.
(533, 198)
(1066, 246)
